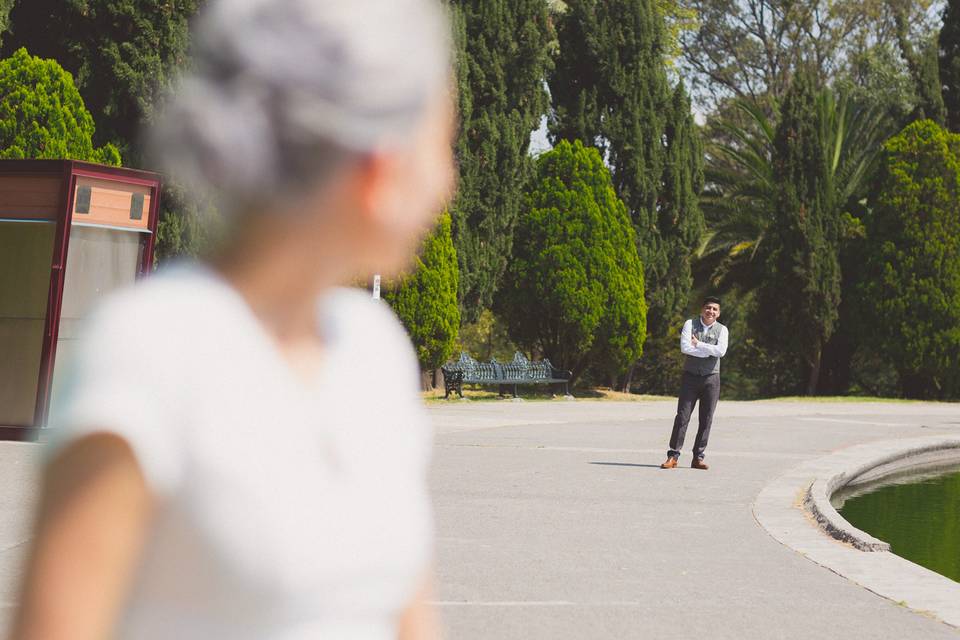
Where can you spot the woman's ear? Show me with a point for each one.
(372, 186)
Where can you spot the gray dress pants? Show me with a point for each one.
(693, 388)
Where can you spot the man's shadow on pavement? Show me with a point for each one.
(626, 464)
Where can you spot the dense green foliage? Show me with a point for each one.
(781, 210)
(769, 234)
(739, 200)
(681, 226)
(124, 55)
(425, 300)
(502, 57)
(912, 284)
(188, 225)
(800, 298)
(487, 338)
(949, 67)
(574, 288)
(42, 114)
(610, 89)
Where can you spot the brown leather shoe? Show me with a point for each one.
(671, 463)
(699, 464)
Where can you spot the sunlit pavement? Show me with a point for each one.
(555, 521)
(18, 493)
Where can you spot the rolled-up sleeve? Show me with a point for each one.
(715, 350)
(686, 346)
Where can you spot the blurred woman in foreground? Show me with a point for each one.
(223, 469)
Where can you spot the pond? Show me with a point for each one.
(918, 514)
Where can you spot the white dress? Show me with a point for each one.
(287, 510)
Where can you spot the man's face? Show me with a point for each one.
(710, 312)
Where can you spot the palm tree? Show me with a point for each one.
(742, 190)
(737, 200)
(853, 135)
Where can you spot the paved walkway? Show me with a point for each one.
(554, 521)
(18, 468)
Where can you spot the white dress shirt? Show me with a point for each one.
(703, 350)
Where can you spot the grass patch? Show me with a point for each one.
(838, 399)
(604, 394)
(436, 395)
(541, 394)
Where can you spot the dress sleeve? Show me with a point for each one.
(115, 383)
(396, 354)
(408, 371)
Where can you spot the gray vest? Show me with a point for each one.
(704, 366)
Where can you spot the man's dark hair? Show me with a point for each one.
(710, 299)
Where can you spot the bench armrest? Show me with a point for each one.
(560, 374)
(453, 375)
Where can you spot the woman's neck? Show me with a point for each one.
(272, 280)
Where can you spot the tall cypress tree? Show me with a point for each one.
(425, 298)
(680, 220)
(680, 224)
(949, 49)
(799, 300)
(912, 268)
(575, 286)
(610, 89)
(502, 61)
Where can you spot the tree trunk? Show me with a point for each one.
(814, 372)
(426, 380)
(835, 362)
(628, 379)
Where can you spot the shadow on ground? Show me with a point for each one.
(627, 464)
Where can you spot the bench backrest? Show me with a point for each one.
(483, 371)
(465, 364)
(519, 369)
(540, 370)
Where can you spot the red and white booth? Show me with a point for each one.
(70, 232)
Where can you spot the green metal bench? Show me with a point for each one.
(520, 371)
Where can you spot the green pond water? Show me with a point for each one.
(918, 515)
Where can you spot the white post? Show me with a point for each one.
(376, 286)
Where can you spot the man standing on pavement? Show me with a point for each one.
(703, 341)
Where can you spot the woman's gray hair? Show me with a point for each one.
(283, 91)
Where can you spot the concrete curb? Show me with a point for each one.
(818, 500)
(795, 510)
